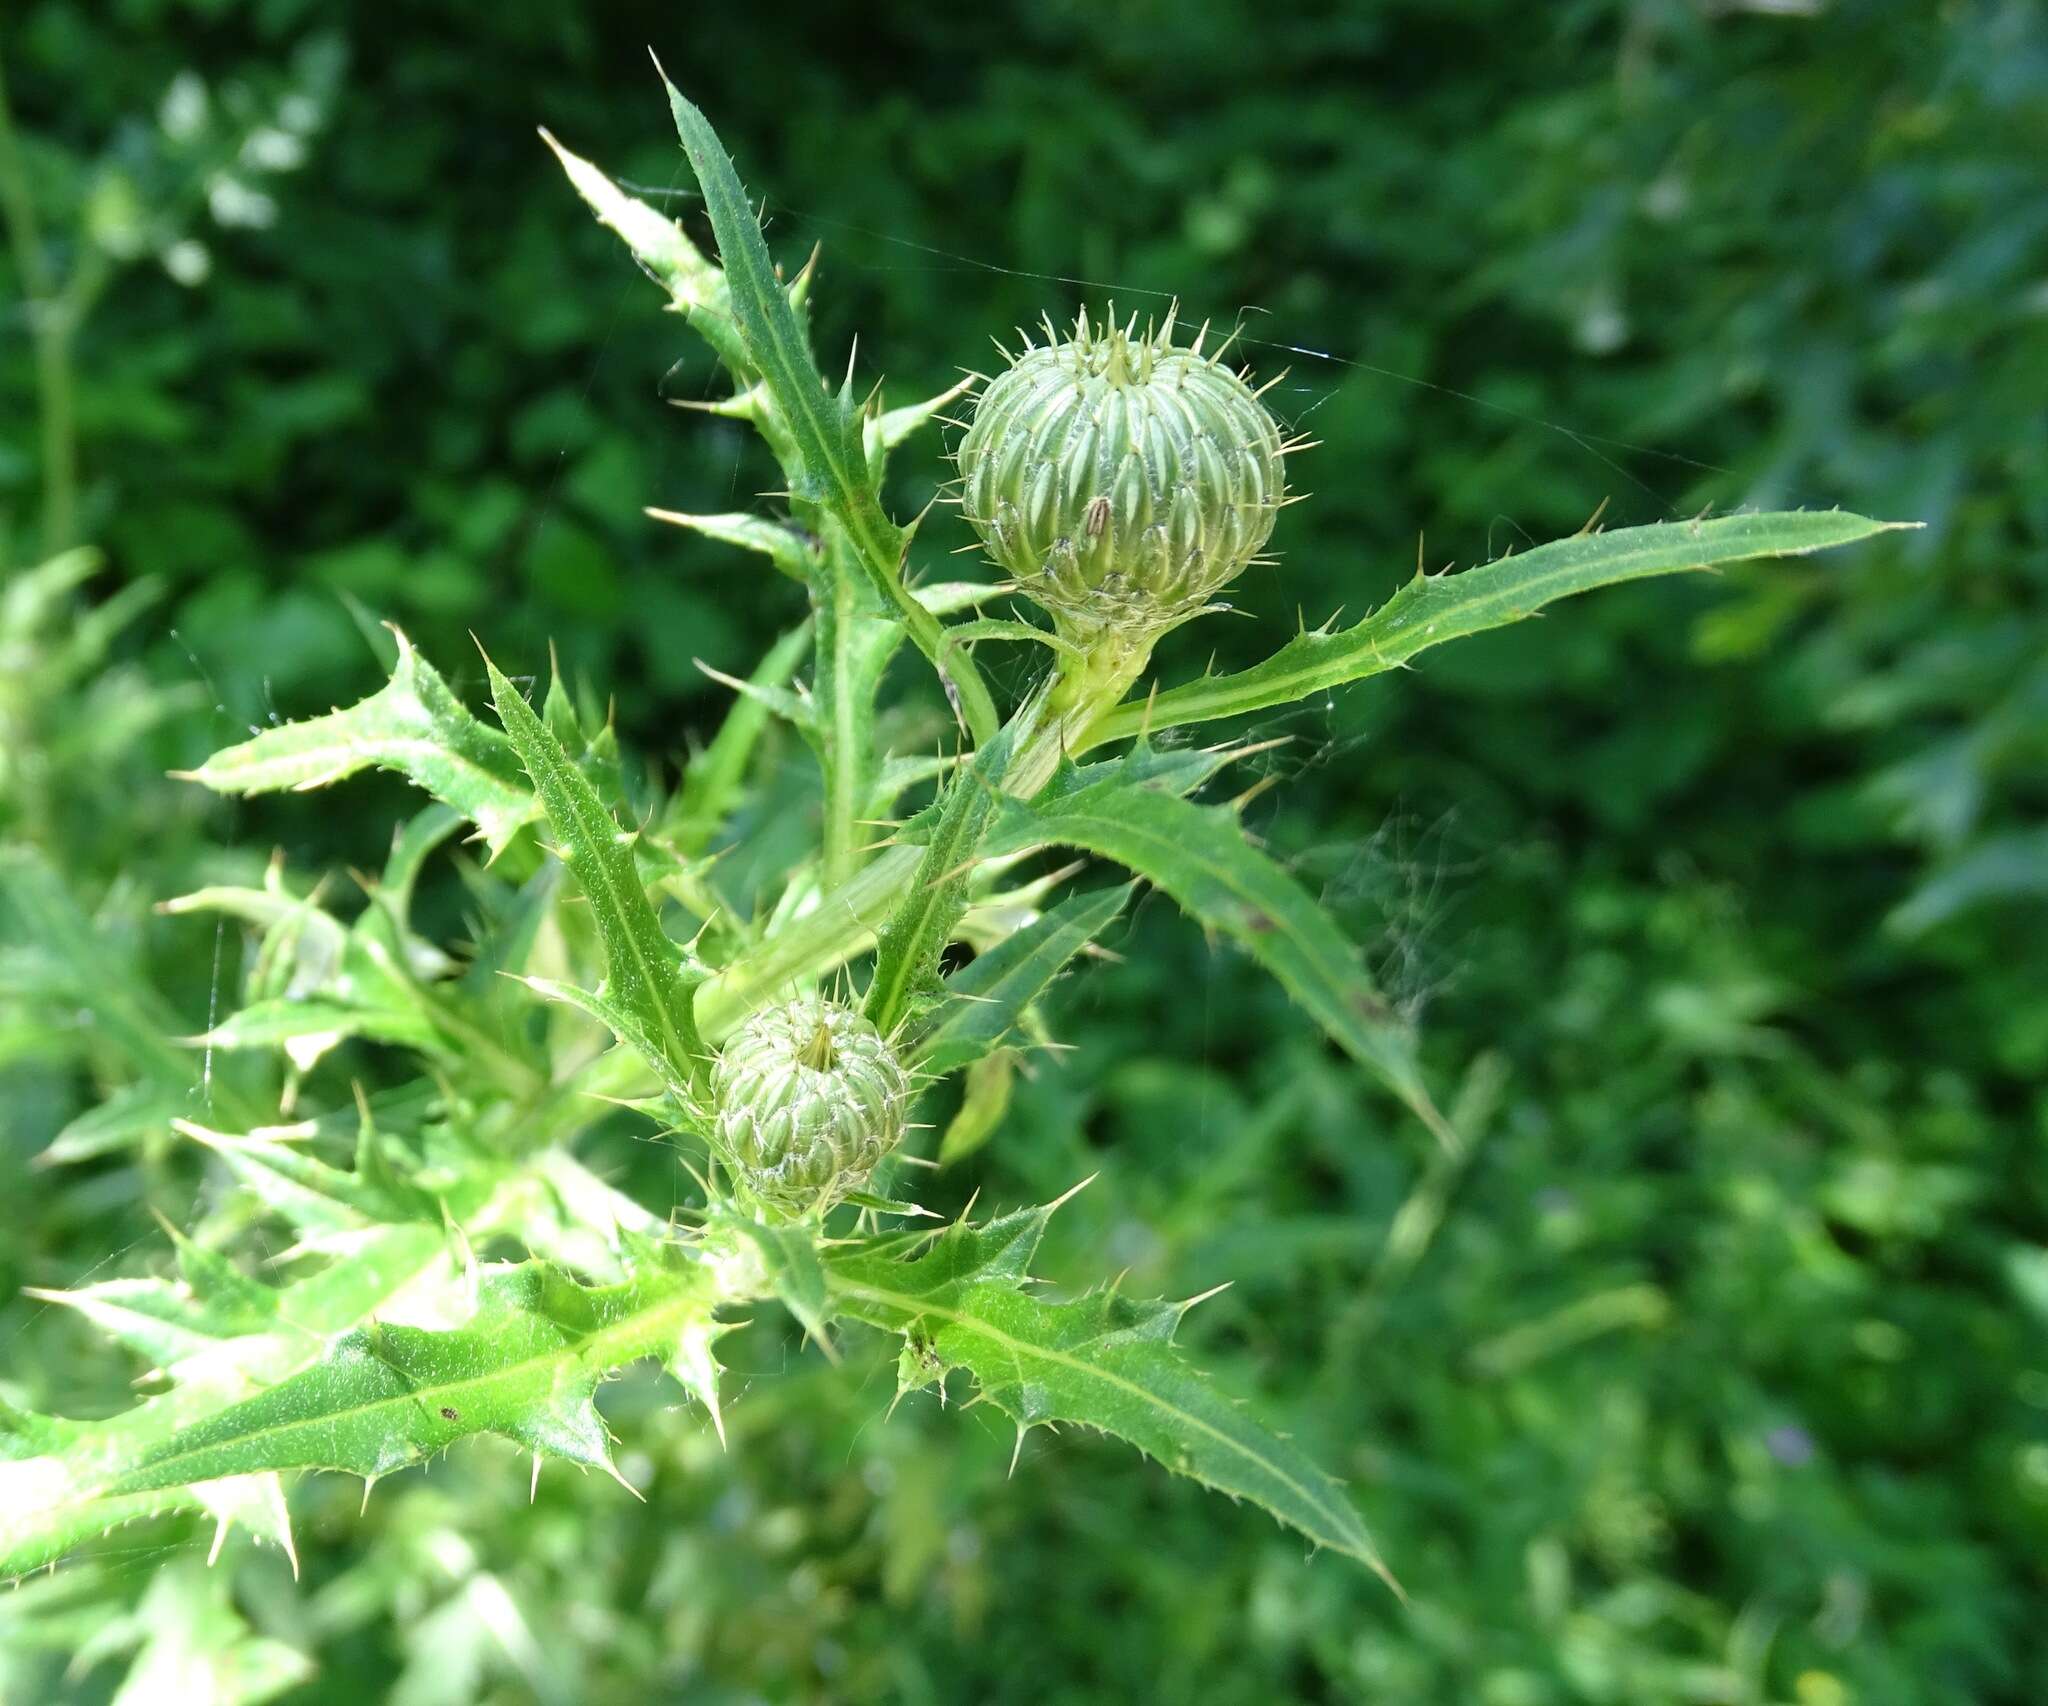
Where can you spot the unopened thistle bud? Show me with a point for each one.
(1121, 480)
(809, 1097)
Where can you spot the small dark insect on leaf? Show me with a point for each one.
(1370, 1006)
(448, 1415)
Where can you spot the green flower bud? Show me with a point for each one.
(809, 1096)
(1120, 480)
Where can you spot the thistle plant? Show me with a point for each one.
(455, 1266)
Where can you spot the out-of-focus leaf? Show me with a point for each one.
(713, 778)
(2013, 866)
(525, 1365)
(984, 1100)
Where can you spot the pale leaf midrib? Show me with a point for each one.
(600, 832)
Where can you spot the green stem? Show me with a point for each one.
(1086, 686)
(846, 918)
(842, 924)
(872, 534)
(845, 743)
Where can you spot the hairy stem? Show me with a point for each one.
(844, 746)
(1084, 689)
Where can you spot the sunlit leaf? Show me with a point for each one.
(415, 725)
(525, 1366)
(824, 427)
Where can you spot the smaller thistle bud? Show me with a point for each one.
(809, 1097)
(1120, 479)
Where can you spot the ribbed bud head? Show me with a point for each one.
(1120, 479)
(809, 1096)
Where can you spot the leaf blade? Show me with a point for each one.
(1430, 610)
(414, 725)
(907, 957)
(525, 1366)
(643, 967)
(825, 429)
(988, 996)
(1199, 855)
(1101, 1360)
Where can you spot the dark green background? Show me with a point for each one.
(1725, 1374)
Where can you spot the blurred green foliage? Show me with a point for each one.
(1720, 1371)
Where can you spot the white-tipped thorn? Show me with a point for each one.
(1059, 1202)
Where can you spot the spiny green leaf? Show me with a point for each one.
(317, 980)
(415, 725)
(158, 1319)
(812, 945)
(833, 469)
(792, 705)
(1102, 1360)
(906, 963)
(695, 287)
(984, 1000)
(854, 648)
(264, 1336)
(1431, 609)
(308, 1193)
(525, 1366)
(789, 1261)
(884, 429)
(305, 1030)
(624, 1024)
(643, 968)
(1199, 855)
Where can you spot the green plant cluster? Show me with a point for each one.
(1707, 1365)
